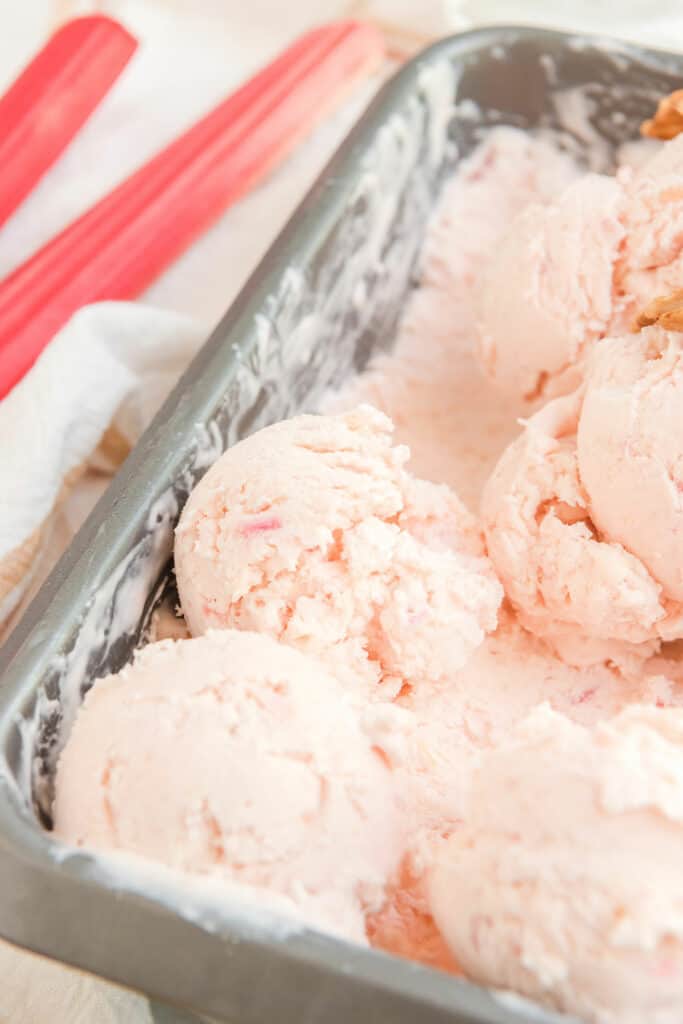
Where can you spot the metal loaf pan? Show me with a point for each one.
(326, 297)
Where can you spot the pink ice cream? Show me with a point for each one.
(443, 734)
(570, 272)
(431, 385)
(547, 293)
(652, 260)
(572, 584)
(564, 882)
(405, 925)
(234, 756)
(630, 450)
(313, 532)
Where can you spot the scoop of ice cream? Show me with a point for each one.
(651, 262)
(571, 584)
(565, 883)
(630, 449)
(547, 294)
(313, 532)
(433, 737)
(235, 756)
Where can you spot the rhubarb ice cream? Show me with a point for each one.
(443, 731)
(234, 756)
(443, 734)
(569, 272)
(564, 882)
(313, 532)
(651, 263)
(630, 450)
(405, 926)
(547, 293)
(572, 583)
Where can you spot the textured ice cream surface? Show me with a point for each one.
(457, 423)
(572, 584)
(313, 532)
(630, 449)
(651, 263)
(444, 731)
(435, 739)
(547, 293)
(431, 385)
(237, 757)
(578, 268)
(564, 883)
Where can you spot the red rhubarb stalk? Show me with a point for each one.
(117, 248)
(49, 101)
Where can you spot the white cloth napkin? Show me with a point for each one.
(64, 429)
(76, 415)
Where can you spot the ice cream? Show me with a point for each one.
(564, 882)
(444, 731)
(444, 734)
(405, 926)
(569, 272)
(572, 582)
(651, 262)
(547, 294)
(234, 756)
(431, 385)
(313, 532)
(630, 450)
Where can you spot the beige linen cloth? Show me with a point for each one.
(68, 424)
